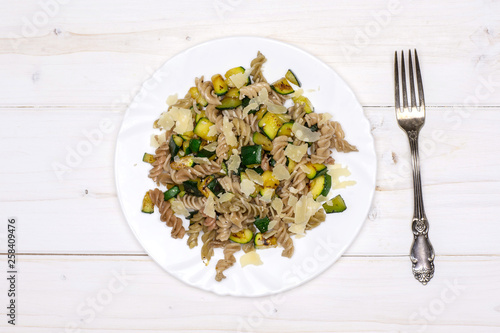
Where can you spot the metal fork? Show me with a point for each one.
(411, 120)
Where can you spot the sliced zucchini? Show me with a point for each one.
(265, 243)
(185, 147)
(187, 135)
(194, 145)
(251, 155)
(320, 186)
(229, 103)
(270, 124)
(269, 180)
(243, 175)
(173, 146)
(290, 76)
(231, 72)
(148, 158)
(258, 170)
(196, 95)
(261, 139)
(205, 153)
(147, 204)
(319, 167)
(215, 187)
(291, 164)
(262, 224)
(191, 187)
(220, 86)
(203, 186)
(282, 87)
(308, 107)
(223, 167)
(243, 236)
(314, 128)
(202, 128)
(200, 115)
(336, 205)
(311, 174)
(286, 129)
(183, 162)
(233, 93)
(262, 111)
(272, 162)
(172, 193)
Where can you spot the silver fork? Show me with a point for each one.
(411, 120)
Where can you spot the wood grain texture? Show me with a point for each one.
(111, 47)
(355, 295)
(83, 215)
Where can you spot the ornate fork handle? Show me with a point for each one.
(422, 253)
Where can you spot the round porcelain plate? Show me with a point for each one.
(315, 252)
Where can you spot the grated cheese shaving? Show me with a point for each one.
(212, 131)
(209, 208)
(281, 172)
(277, 205)
(304, 209)
(336, 171)
(268, 194)
(172, 99)
(292, 200)
(272, 224)
(179, 208)
(276, 109)
(299, 92)
(240, 79)
(201, 160)
(211, 146)
(251, 106)
(250, 258)
(166, 121)
(226, 197)
(181, 117)
(233, 163)
(321, 198)
(255, 177)
(296, 152)
(305, 134)
(247, 187)
(293, 190)
(227, 129)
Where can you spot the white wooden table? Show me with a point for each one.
(66, 66)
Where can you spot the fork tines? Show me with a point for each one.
(412, 82)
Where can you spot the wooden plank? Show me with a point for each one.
(111, 54)
(81, 214)
(356, 294)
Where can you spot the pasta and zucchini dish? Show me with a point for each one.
(248, 163)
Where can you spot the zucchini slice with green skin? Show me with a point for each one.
(203, 186)
(308, 107)
(231, 72)
(147, 204)
(215, 187)
(229, 103)
(194, 145)
(262, 224)
(286, 129)
(262, 111)
(282, 87)
(172, 193)
(220, 86)
(148, 158)
(185, 147)
(311, 174)
(270, 125)
(266, 192)
(261, 139)
(290, 76)
(291, 164)
(183, 162)
(320, 186)
(173, 146)
(191, 187)
(196, 95)
(336, 205)
(233, 93)
(265, 243)
(244, 236)
(251, 155)
(202, 128)
(205, 153)
(200, 115)
(223, 167)
(319, 167)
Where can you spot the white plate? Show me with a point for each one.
(315, 252)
